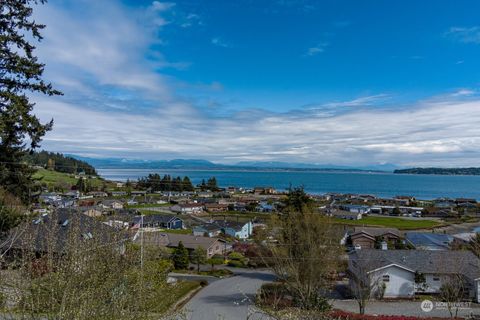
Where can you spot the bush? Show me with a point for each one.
(236, 264)
(203, 283)
(236, 256)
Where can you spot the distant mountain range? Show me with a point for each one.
(111, 163)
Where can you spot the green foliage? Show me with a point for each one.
(298, 201)
(214, 261)
(199, 256)
(11, 212)
(20, 75)
(156, 183)
(180, 257)
(60, 163)
(236, 256)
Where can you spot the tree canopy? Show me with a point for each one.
(20, 75)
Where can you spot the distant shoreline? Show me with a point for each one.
(472, 171)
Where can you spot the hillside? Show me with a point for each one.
(60, 163)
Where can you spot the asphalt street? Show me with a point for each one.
(229, 298)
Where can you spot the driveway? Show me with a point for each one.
(403, 308)
(229, 298)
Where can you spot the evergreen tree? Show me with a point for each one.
(199, 256)
(20, 75)
(180, 257)
(212, 184)
(187, 184)
(81, 185)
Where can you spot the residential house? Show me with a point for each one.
(265, 207)
(111, 204)
(355, 208)
(91, 211)
(207, 230)
(428, 240)
(239, 230)
(213, 246)
(187, 208)
(369, 237)
(394, 273)
(263, 190)
(158, 221)
(463, 239)
(347, 215)
(98, 194)
(119, 193)
(54, 232)
(216, 207)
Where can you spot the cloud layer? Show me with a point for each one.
(119, 103)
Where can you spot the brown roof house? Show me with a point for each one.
(369, 237)
(213, 246)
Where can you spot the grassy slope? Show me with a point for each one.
(176, 293)
(392, 222)
(53, 177)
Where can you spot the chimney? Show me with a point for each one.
(384, 245)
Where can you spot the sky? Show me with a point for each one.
(324, 82)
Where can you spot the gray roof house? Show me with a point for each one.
(395, 270)
(58, 231)
(428, 240)
(213, 246)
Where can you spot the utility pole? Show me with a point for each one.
(141, 241)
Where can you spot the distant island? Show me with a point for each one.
(442, 171)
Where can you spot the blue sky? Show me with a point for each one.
(344, 82)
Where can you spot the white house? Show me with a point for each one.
(188, 208)
(404, 273)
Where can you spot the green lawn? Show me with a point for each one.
(391, 222)
(149, 205)
(175, 293)
(52, 178)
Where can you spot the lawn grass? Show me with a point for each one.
(391, 222)
(55, 178)
(148, 205)
(52, 177)
(175, 293)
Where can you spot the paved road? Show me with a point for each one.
(229, 298)
(405, 308)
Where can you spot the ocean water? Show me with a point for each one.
(316, 182)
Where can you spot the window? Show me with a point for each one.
(436, 279)
(386, 278)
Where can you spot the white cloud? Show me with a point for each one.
(162, 6)
(432, 133)
(360, 102)
(219, 42)
(463, 92)
(316, 50)
(465, 34)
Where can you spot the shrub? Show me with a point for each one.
(236, 256)
(203, 283)
(235, 263)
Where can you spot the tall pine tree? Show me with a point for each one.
(20, 75)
